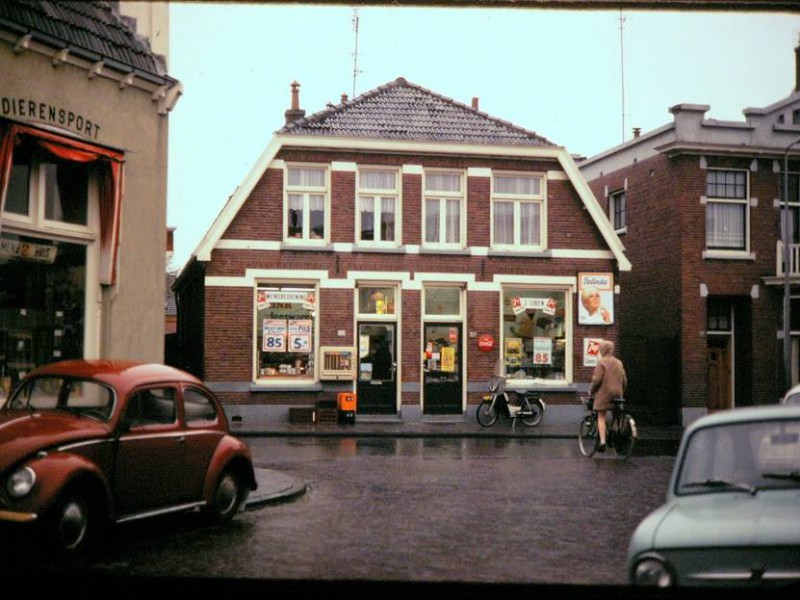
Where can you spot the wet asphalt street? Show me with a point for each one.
(467, 511)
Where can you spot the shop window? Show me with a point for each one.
(517, 208)
(42, 300)
(534, 336)
(378, 203)
(373, 300)
(442, 301)
(285, 323)
(444, 198)
(306, 203)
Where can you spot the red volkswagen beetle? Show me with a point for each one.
(90, 442)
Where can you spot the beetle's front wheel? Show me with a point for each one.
(70, 525)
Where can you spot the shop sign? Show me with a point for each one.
(267, 298)
(28, 251)
(274, 335)
(485, 343)
(546, 305)
(36, 110)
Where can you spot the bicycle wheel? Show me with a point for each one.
(485, 414)
(624, 436)
(588, 436)
(531, 412)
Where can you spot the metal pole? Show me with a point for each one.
(787, 337)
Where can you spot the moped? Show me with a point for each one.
(527, 405)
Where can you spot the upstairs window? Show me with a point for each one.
(444, 199)
(378, 206)
(617, 209)
(517, 208)
(44, 190)
(793, 209)
(726, 210)
(306, 203)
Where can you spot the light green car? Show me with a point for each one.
(732, 515)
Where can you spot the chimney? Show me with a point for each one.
(344, 98)
(295, 112)
(475, 102)
(637, 131)
(797, 67)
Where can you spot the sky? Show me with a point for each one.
(583, 79)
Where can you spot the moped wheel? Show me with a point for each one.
(625, 437)
(531, 412)
(486, 415)
(588, 437)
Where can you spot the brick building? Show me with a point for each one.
(84, 107)
(376, 242)
(698, 204)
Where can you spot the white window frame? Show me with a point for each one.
(613, 200)
(518, 200)
(443, 197)
(744, 202)
(306, 192)
(35, 219)
(377, 195)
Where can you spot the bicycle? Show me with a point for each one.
(621, 431)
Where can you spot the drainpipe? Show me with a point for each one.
(787, 337)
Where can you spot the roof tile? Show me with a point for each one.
(401, 110)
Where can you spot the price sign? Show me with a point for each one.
(542, 351)
(274, 335)
(299, 343)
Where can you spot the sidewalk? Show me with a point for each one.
(274, 486)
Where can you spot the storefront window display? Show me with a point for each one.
(42, 304)
(285, 322)
(534, 338)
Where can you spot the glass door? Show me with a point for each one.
(442, 369)
(376, 389)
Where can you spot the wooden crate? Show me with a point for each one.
(327, 415)
(301, 414)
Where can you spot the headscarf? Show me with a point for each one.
(606, 348)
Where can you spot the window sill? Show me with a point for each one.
(362, 247)
(532, 253)
(285, 386)
(444, 250)
(728, 255)
(304, 245)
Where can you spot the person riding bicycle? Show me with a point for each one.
(608, 382)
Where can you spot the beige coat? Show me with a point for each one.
(609, 379)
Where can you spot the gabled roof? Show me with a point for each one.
(93, 30)
(402, 117)
(401, 110)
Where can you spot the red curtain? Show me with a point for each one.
(76, 151)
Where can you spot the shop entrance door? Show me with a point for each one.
(442, 389)
(376, 390)
(719, 373)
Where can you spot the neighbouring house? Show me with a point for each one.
(84, 107)
(700, 206)
(400, 246)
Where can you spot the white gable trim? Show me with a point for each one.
(242, 193)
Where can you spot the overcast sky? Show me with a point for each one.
(558, 73)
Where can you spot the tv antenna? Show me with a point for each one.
(355, 51)
(622, 68)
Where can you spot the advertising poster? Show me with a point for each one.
(542, 351)
(591, 351)
(448, 359)
(596, 298)
(274, 335)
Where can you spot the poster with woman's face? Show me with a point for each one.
(595, 298)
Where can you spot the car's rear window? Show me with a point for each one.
(78, 396)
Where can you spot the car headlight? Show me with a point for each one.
(652, 571)
(21, 482)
